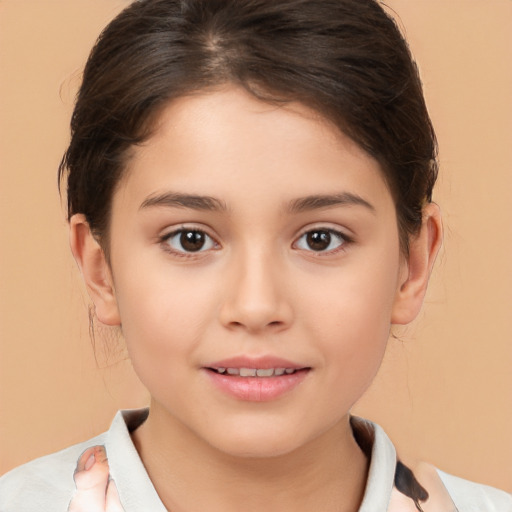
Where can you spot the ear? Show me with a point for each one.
(95, 270)
(417, 267)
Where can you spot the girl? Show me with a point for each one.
(249, 194)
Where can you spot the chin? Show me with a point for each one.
(257, 448)
(255, 441)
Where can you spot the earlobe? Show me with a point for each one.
(423, 249)
(95, 270)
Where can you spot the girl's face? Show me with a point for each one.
(247, 236)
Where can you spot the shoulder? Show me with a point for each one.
(45, 483)
(421, 482)
(472, 497)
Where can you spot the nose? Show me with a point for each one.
(255, 295)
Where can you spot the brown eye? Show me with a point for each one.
(189, 240)
(320, 240)
(192, 241)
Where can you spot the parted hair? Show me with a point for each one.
(346, 59)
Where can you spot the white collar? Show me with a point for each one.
(137, 492)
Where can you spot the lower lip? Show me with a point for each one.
(257, 389)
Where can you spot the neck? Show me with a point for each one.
(328, 473)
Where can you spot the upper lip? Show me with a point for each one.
(261, 362)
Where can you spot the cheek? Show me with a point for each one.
(354, 320)
(164, 313)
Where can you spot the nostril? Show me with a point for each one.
(254, 315)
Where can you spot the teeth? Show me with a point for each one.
(256, 372)
(265, 373)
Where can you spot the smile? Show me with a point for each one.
(255, 372)
(256, 384)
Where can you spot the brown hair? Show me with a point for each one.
(344, 58)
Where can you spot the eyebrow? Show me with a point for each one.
(299, 205)
(176, 200)
(316, 202)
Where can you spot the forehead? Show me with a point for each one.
(227, 142)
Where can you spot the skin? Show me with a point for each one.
(257, 289)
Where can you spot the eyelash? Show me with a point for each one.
(165, 242)
(342, 238)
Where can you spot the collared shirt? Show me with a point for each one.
(46, 484)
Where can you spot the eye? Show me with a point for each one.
(321, 240)
(189, 240)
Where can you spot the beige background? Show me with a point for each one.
(444, 393)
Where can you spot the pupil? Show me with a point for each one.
(319, 240)
(192, 240)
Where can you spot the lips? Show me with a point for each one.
(255, 372)
(258, 362)
(256, 379)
